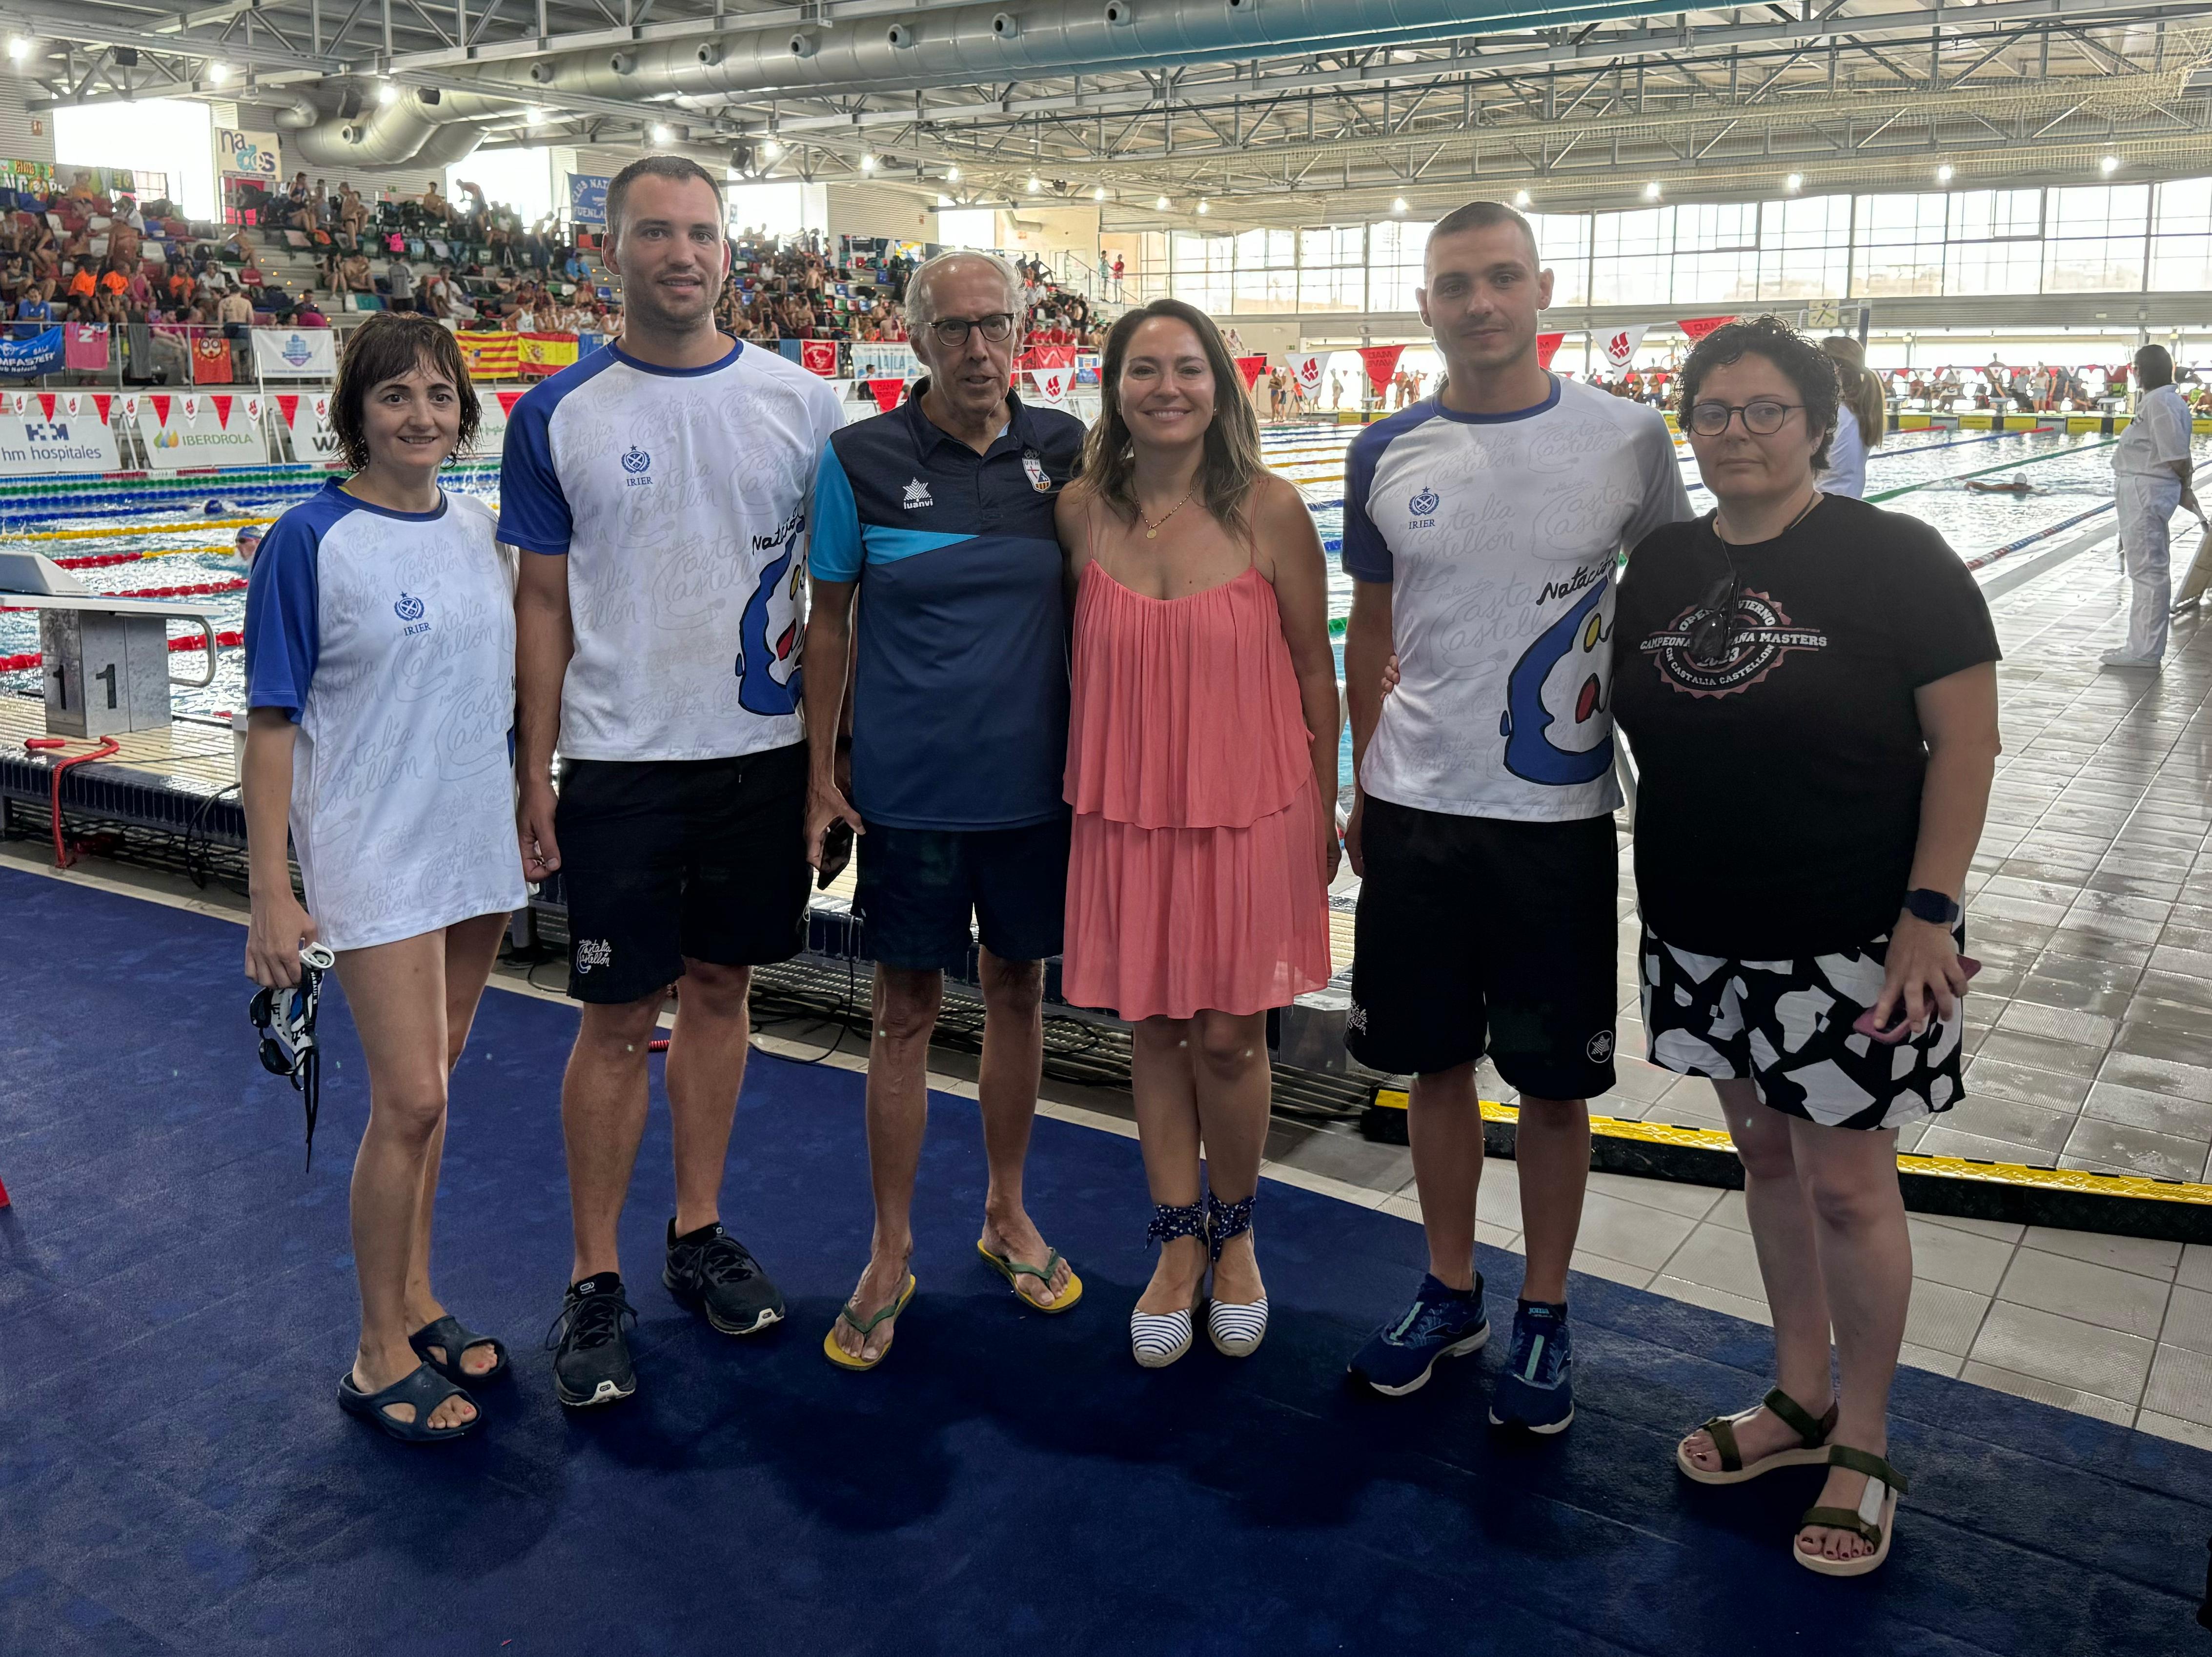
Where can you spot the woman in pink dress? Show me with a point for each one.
(1202, 766)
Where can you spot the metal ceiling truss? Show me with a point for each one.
(1848, 94)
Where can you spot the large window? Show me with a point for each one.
(1333, 268)
(174, 135)
(1699, 257)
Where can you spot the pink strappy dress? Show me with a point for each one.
(1195, 879)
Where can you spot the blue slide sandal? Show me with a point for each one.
(422, 1386)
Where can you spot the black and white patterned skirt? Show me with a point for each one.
(1786, 1025)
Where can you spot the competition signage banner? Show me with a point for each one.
(252, 155)
(587, 198)
(47, 432)
(307, 417)
(28, 353)
(884, 359)
(184, 433)
(296, 353)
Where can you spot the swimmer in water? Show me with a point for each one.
(2019, 485)
(248, 543)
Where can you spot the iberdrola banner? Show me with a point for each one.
(545, 353)
(491, 355)
(199, 429)
(1382, 362)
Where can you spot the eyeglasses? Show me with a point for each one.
(951, 331)
(1713, 633)
(1762, 417)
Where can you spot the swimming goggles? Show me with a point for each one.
(286, 1019)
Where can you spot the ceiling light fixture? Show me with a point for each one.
(387, 93)
(662, 133)
(1520, 197)
(770, 149)
(953, 175)
(1398, 203)
(1652, 191)
(1795, 181)
(1036, 184)
(1944, 173)
(18, 47)
(2109, 166)
(1161, 206)
(867, 163)
(1098, 192)
(217, 73)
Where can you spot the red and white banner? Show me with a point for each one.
(1620, 346)
(42, 433)
(886, 393)
(1053, 384)
(1382, 362)
(1046, 356)
(1252, 368)
(184, 433)
(1306, 368)
(818, 357)
(1698, 326)
(1547, 347)
(307, 418)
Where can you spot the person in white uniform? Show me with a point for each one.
(2151, 479)
(1483, 529)
(658, 490)
(379, 666)
(1862, 419)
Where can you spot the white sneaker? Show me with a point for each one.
(2122, 659)
(1157, 1339)
(1236, 1330)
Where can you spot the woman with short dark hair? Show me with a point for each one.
(1809, 685)
(379, 666)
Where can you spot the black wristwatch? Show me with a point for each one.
(1933, 907)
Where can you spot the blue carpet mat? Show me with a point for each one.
(176, 1304)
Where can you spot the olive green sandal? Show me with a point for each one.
(1875, 1519)
(838, 1356)
(1013, 1270)
(1812, 1434)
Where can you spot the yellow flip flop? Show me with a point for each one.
(837, 1356)
(1012, 1270)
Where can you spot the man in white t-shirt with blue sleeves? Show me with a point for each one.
(658, 491)
(1482, 531)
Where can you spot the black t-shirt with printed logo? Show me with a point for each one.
(1778, 793)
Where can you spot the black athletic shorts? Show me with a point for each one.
(663, 859)
(917, 887)
(1476, 935)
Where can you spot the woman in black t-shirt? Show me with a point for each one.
(1809, 686)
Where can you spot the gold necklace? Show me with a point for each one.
(1152, 530)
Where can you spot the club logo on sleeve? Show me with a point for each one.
(636, 462)
(409, 609)
(1424, 507)
(917, 494)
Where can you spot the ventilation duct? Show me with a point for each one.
(988, 44)
(425, 127)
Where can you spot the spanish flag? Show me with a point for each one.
(546, 353)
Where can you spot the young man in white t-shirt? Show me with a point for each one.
(1482, 528)
(658, 490)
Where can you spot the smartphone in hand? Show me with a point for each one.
(836, 852)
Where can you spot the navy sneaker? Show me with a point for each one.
(1441, 1322)
(714, 1271)
(590, 1358)
(1536, 1393)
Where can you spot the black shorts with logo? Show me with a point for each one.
(1476, 935)
(662, 859)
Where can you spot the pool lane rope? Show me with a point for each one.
(190, 642)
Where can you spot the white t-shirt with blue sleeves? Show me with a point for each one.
(388, 637)
(1499, 536)
(679, 496)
